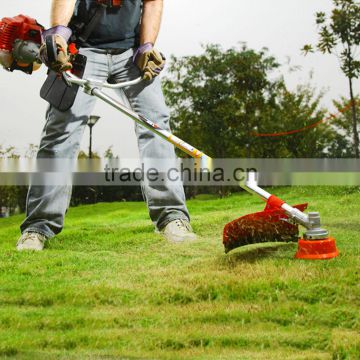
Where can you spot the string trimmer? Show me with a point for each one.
(279, 222)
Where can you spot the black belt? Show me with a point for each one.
(115, 51)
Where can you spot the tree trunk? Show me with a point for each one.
(354, 120)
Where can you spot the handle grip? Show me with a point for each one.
(70, 78)
(51, 48)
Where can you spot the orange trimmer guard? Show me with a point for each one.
(317, 250)
(269, 225)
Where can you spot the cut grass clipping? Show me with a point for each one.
(109, 287)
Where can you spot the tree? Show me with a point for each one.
(221, 99)
(341, 32)
(341, 146)
(292, 112)
(215, 97)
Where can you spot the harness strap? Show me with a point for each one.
(82, 29)
(90, 27)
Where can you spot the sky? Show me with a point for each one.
(282, 26)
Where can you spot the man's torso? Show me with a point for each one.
(118, 28)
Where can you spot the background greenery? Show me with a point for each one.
(222, 99)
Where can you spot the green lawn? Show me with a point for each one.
(109, 287)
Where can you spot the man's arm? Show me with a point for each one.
(151, 21)
(61, 12)
(54, 50)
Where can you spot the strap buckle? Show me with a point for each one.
(110, 3)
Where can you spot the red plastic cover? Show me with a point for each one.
(269, 225)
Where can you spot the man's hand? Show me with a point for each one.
(150, 61)
(54, 50)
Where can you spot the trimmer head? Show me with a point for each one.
(270, 225)
(324, 249)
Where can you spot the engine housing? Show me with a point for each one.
(20, 39)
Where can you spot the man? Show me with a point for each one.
(119, 48)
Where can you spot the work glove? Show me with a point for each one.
(150, 61)
(54, 49)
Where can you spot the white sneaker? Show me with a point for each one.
(31, 241)
(178, 231)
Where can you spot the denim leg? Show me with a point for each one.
(166, 202)
(61, 137)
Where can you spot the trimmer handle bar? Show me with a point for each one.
(93, 83)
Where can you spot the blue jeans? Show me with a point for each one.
(47, 205)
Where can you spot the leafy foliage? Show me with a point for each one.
(341, 146)
(339, 34)
(342, 29)
(216, 97)
(222, 99)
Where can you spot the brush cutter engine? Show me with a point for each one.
(20, 40)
